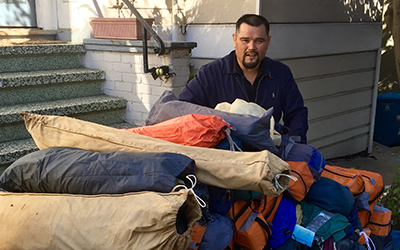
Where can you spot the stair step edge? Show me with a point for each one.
(29, 49)
(19, 79)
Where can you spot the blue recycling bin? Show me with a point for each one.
(387, 119)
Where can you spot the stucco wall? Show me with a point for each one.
(217, 12)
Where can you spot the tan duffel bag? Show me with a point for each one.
(142, 220)
(258, 171)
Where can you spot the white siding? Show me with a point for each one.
(290, 40)
(334, 65)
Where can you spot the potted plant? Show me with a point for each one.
(118, 27)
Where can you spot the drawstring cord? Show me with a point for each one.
(199, 200)
(277, 185)
(367, 240)
(232, 145)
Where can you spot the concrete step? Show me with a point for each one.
(100, 109)
(40, 86)
(12, 151)
(36, 57)
(20, 79)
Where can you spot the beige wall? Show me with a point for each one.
(217, 11)
(71, 17)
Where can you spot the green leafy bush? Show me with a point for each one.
(391, 201)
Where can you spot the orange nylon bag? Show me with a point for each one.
(250, 218)
(346, 177)
(299, 189)
(366, 186)
(364, 217)
(380, 221)
(267, 206)
(192, 130)
(252, 231)
(374, 187)
(197, 236)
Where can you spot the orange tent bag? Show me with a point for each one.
(192, 130)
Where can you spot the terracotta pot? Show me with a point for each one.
(118, 28)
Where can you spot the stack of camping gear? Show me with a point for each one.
(192, 178)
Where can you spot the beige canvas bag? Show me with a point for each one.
(258, 171)
(143, 220)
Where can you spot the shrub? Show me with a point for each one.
(391, 200)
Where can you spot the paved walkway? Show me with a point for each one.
(383, 160)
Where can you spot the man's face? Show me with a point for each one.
(251, 44)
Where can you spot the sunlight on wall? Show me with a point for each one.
(372, 8)
(389, 42)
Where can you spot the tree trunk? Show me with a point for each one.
(396, 36)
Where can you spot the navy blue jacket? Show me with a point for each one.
(221, 81)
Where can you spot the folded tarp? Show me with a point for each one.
(143, 220)
(257, 171)
(253, 131)
(192, 130)
(80, 171)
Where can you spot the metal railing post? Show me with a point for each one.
(160, 50)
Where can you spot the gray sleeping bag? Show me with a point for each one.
(79, 171)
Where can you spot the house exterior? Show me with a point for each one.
(332, 48)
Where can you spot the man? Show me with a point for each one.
(247, 74)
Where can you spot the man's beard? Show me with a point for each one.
(250, 65)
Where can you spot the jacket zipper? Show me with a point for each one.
(241, 87)
(245, 92)
(258, 87)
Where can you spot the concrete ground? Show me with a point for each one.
(383, 160)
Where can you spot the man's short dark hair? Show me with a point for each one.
(253, 20)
